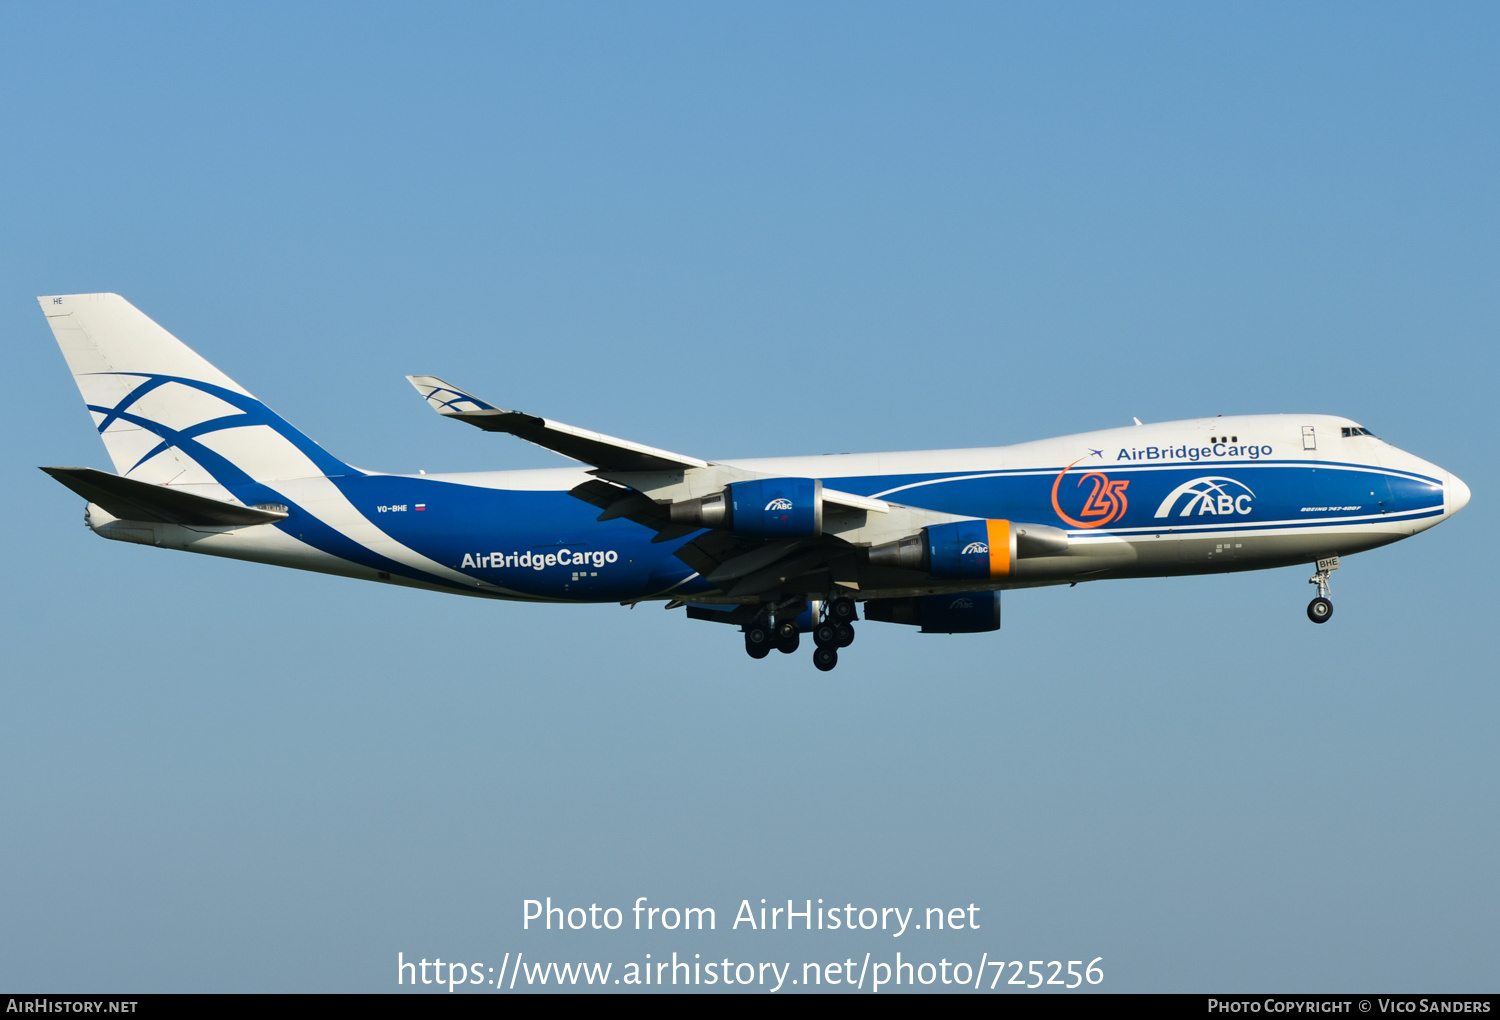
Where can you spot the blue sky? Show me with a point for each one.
(738, 231)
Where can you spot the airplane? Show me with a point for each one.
(776, 547)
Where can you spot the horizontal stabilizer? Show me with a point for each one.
(131, 500)
(602, 451)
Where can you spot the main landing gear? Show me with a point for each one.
(1320, 609)
(834, 631)
(788, 637)
(758, 640)
(830, 636)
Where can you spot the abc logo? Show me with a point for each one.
(1209, 495)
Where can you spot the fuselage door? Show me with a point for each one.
(1309, 438)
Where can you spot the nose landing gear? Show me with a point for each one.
(1320, 609)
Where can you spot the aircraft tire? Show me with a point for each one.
(757, 641)
(788, 645)
(846, 635)
(842, 610)
(826, 658)
(826, 634)
(1319, 610)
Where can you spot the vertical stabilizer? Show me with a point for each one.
(165, 414)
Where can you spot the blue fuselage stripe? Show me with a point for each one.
(547, 544)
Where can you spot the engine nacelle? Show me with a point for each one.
(965, 613)
(759, 508)
(970, 549)
(962, 549)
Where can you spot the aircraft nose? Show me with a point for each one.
(1455, 494)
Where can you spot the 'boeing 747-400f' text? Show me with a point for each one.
(778, 547)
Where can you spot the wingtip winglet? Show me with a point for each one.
(446, 398)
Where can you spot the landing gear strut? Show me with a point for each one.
(1320, 609)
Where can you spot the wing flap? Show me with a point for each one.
(853, 502)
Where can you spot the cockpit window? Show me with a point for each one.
(1357, 431)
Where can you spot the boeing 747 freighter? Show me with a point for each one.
(778, 547)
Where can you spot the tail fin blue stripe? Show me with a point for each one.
(253, 412)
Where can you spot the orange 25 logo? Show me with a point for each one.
(1105, 503)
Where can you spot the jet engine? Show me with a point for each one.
(973, 612)
(970, 549)
(759, 508)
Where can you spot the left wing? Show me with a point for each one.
(610, 455)
(642, 484)
(602, 451)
